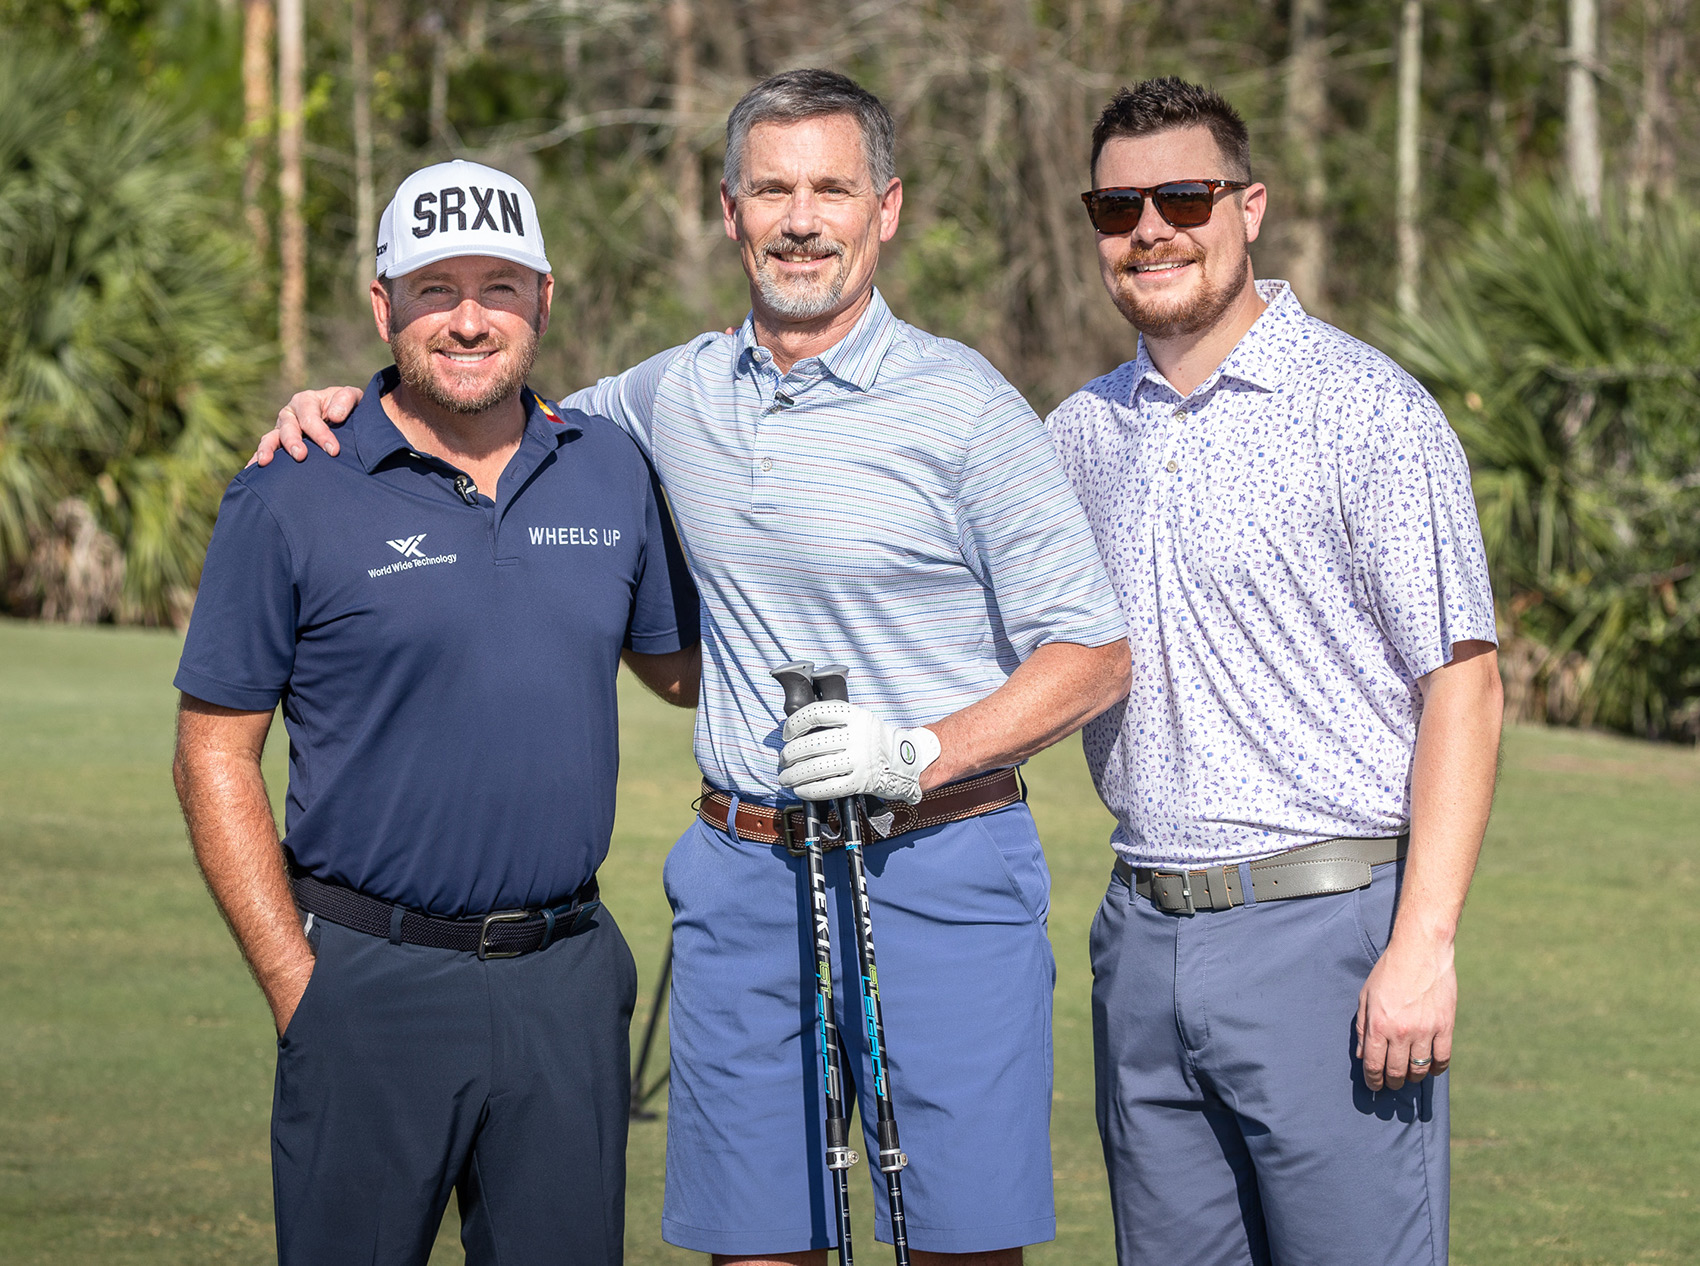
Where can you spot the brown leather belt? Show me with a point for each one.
(763, 824)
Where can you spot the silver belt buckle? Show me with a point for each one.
(1185, 876)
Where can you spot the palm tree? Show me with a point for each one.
(128, 356)
(1567, 353)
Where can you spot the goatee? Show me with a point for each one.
(415, 365)
(1170, 317)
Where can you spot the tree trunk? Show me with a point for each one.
(291, 183)
(1409, 192)
(365, 196)
(439, 91)
(1581, 105)
(258, 24)
(1304, 118)
(684, 162)
(1654, 168)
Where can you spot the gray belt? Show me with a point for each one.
(1338, 865)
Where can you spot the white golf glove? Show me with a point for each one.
(835, 749)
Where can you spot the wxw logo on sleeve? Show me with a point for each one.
(408, 546)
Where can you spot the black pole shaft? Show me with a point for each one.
(639, 1095)
(798, 680)
(891, 1157)
(839, 1157)
(832, 682)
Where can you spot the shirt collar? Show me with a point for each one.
(1258, 359)
(854, 359)
(376, 437)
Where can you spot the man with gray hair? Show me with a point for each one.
(850, 488)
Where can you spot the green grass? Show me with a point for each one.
(136, 1055)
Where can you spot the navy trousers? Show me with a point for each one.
(408, 1073)
(1237, 1127)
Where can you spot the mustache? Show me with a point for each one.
(815, 244)
(1136, 256)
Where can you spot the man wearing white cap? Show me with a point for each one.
(451, 999)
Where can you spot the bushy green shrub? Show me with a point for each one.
(1567, 353)
(127, 357)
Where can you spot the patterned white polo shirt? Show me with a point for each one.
(1294, 544)
(891, 504)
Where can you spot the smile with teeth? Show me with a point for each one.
(468, 358)
(1162, 266)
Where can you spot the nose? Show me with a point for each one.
(1152, 227)
(802, 213)
(469, 321)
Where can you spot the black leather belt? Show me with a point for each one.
(499, 934)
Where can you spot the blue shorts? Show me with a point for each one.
(1237, 1127)
(966, 973)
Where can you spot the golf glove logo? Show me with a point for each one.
(835, 749)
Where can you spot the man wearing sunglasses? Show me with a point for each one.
(1303, 771)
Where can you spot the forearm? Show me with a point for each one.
(236, 845)
(676, 676)
(1058, 689)
(1452, 782)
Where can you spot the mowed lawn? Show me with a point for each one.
(136, 1055)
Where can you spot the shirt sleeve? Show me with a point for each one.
(240, 648)
(628, 398)
(1023, 533)
(665, 610)
(1416, 540)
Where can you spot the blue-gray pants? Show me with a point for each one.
(1236, 1125)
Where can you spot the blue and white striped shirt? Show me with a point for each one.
(891, 504)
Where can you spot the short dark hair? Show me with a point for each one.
(794, 95)
(1160, 105)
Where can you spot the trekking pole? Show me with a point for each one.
(798, 680)
(832, 682)
(640, 1095)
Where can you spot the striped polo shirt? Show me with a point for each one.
(892, 505)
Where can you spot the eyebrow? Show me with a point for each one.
(426, 276)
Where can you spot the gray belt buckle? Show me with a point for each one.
(1185, 876)
(500, 916)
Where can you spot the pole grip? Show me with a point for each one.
(832, 681)
(798, 680)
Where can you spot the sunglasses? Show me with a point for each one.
(1183, 204)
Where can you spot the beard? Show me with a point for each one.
(795, 298)
(1170, 316)
(416, 364)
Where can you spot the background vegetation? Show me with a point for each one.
(1497, 192)
(136, 1054)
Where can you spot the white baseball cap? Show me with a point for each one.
(459, 208)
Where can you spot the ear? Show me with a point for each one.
(728, 212)
(891, 206)
(545, 297)
(381, 308)
(1252, 207)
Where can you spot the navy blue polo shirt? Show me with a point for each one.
(446, 669)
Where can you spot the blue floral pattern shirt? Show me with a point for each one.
(1294, 544)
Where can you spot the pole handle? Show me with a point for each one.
(832, 681)
(798, 680)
